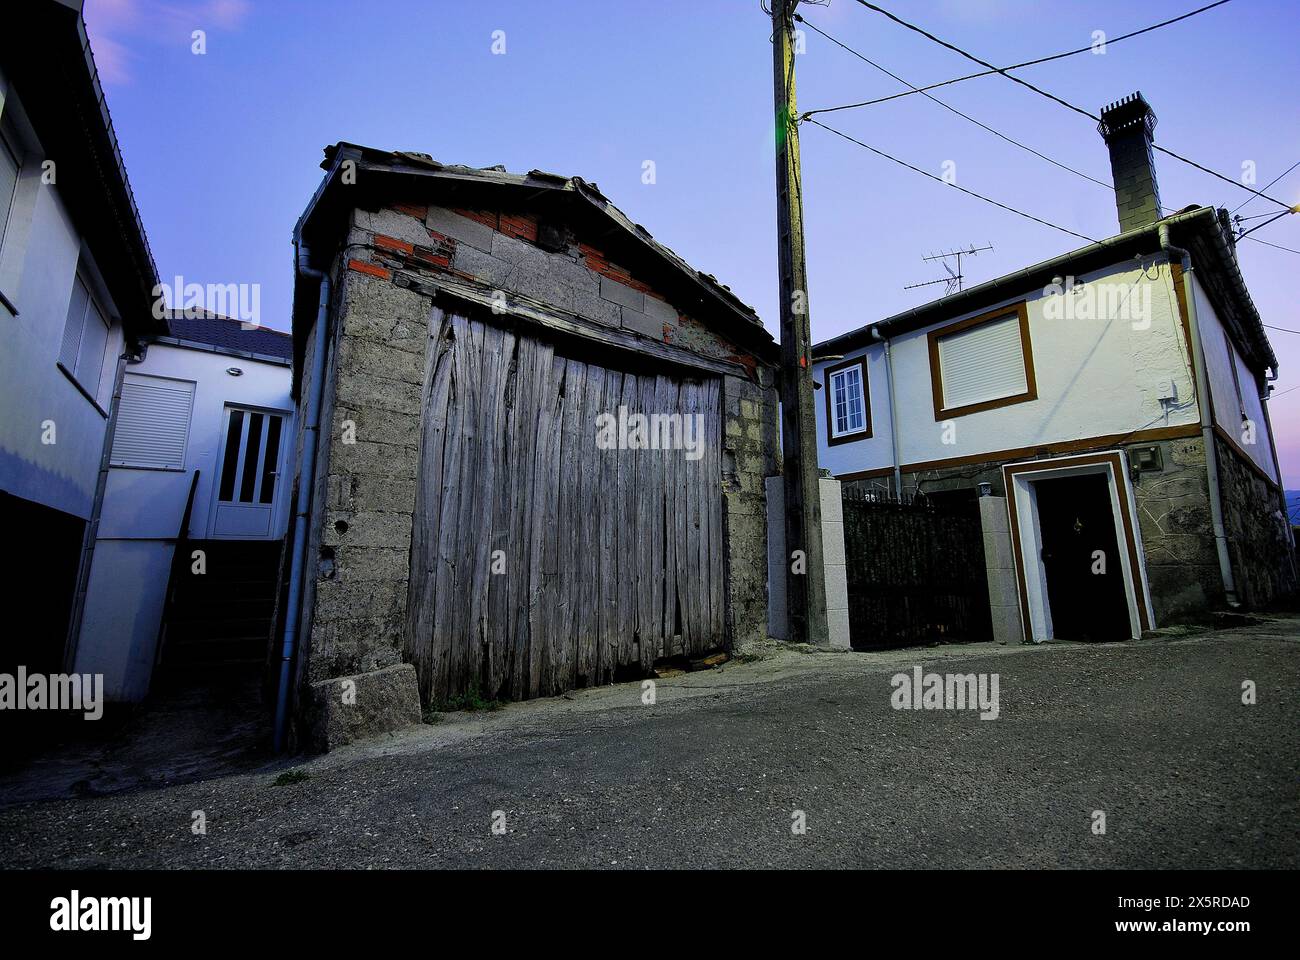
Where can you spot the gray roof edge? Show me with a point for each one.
(936, 310)
(182, 343)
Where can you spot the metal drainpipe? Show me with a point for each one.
(893, 412)
(306, 490)
(1207, 420)
(90, 535)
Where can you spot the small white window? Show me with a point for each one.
(846, 401)
(153, 422)
(982, 364)
(85, 339)
(9, 167)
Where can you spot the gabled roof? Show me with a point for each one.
(384, 175)
(1203, 231)
(230, 335)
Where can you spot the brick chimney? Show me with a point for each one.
(1128, 127)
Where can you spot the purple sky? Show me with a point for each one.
(223, 149)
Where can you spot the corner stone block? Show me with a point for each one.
(343, 710)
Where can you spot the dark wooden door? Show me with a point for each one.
(1080, 553)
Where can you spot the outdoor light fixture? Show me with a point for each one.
(234, 371)
(985, 489)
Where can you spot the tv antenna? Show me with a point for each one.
(955, 276)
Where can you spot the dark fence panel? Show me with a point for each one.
(915, 572)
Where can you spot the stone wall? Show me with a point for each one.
(1173, 508)
(1259, 535)
(359, 555)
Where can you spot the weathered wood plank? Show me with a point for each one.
(589, 612)
(541, 537)
(498, 584)
(424, 533)
(627, 545)
(568, 575)
(445, 657)
(691, 638)
(713, 475)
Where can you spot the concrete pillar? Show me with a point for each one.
(833, 556)
(1000, 567)
(776, 559)
(835, 571)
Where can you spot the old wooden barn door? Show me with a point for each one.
(540, 561)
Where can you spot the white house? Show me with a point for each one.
(199, 454)
(76, 277)
(1115, 396)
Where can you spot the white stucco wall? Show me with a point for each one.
(148, 503)
(1220, 358)
(143, 508)
(1094, 378)
(38, 267)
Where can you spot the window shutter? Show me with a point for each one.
(153, 422)
(73, 326)
(8, 185)
(90, 355)
(984, 362)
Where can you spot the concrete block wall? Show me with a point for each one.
(362, 561)
(835, 563)
(1000, 566)
(777, 625)
(749, 456)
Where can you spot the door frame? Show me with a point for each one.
(1026, 537)
(219, 465)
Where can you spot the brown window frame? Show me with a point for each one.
(1026, 349)
(865, 434)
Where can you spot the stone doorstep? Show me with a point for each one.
(342, 710)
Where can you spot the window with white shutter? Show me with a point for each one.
(982, 363)
(85, 340)
(153, 422)
(9, 169)
(848, 405)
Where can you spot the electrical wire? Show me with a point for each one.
(972, 193)
(1275, 246)
(1055, 99)
(952, 109)
(1017, 66)
(1270, 183)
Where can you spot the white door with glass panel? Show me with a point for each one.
(249, 476)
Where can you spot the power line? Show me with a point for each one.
(1015, 66)
(1247, 233)
(926, 173)
(949, 107)
(1275, 246)
(1270, 183)
(1050, 96)
(1283, 329)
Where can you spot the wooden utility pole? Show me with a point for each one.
(806, 584)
